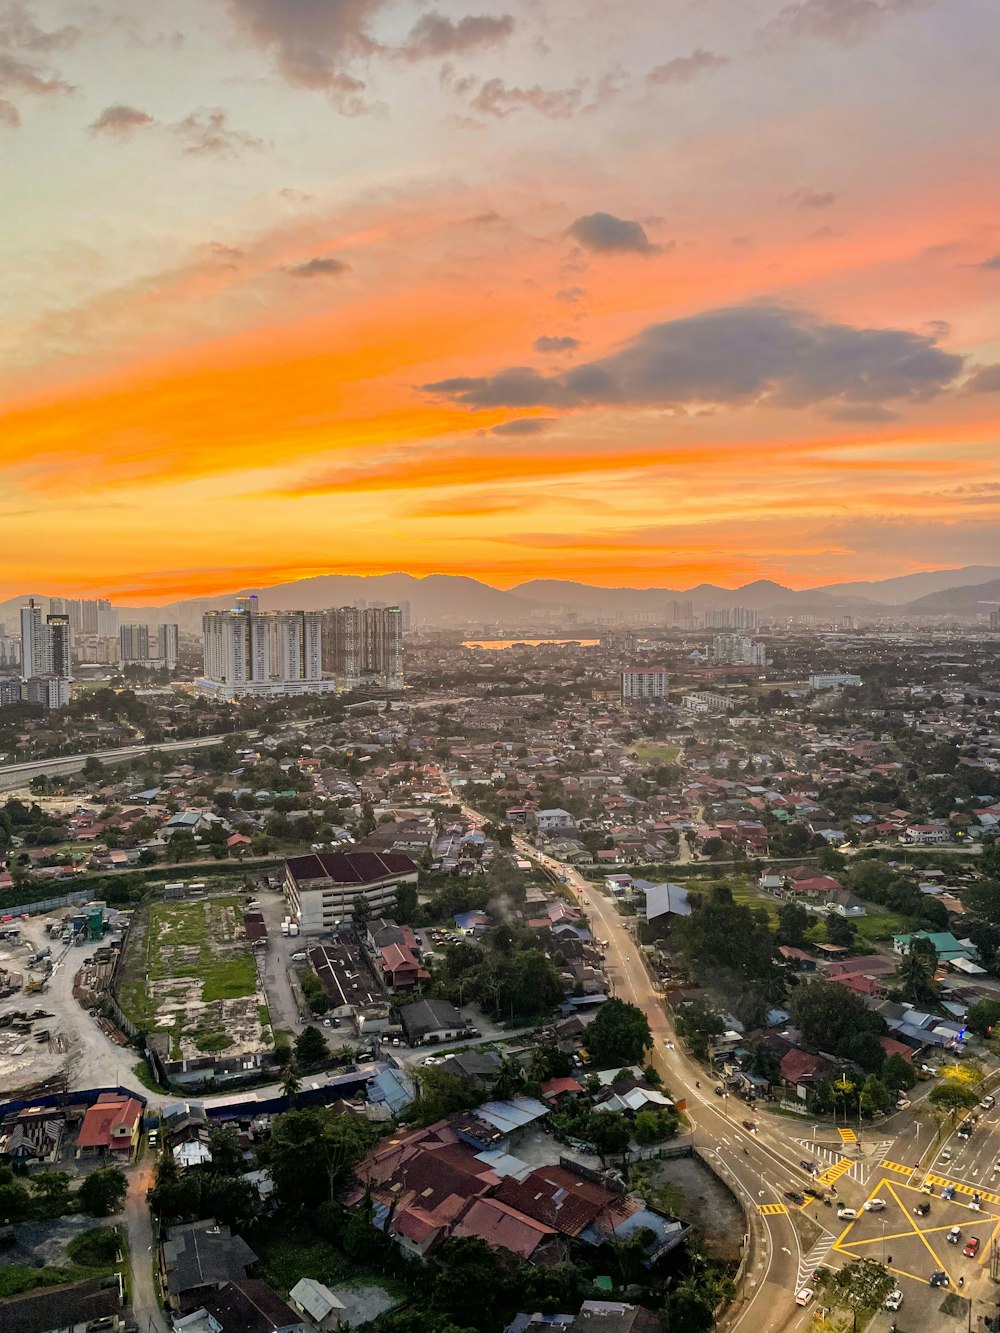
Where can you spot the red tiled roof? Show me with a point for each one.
(109, 1112)
(555, 1197)
(556, 1087)
(796, 1065)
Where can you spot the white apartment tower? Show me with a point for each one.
(168, 645)
(249, 652)
(640, 684)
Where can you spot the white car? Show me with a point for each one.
(988, 1103)
(847, 1214)
(433, 1060)
(874, 1205)
(804, 1296)
(894, 1300)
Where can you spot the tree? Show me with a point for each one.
(290, 1081)
(360, 911)
(954, 1097)
(793, 922)
(103, 1192)
(440, 1094)
(861, 1285)
(696, 1025)
(840, 931)
(618, 1035)
(15, 1201)
(876, 1099)
(833, 1019)
(898, 1074)
(92, 768)
(982, 1017)
(311, 1153)
(227, 1156)
(310, 1047)
(916, 974)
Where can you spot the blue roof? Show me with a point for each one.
(184, 819)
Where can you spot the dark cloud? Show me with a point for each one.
(685, 69)
(570, 295)
(311, 40)
(864, 413)
(807, 198)
(606, 234)
(843, 21)
(323, 266)
(992, 265)
(206, 133)
(986, 380)
(121, 121)
(434, 35)
(496, 98)
(736, 356)
(524, 426)
(547, 343)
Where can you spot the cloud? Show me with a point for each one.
(121, 121)
(606, 234)
(206, 133)
(864, 413)
(992, 264)
(738, 356)
(685, 69)
(20, 76)
(496, 98)
(844, 21)
(545, 343)
(311, 40)
(18, 29)
(433, 35)
(323, 266)
(986, 380)
(524, 426)
(570, 295)
(807, 198)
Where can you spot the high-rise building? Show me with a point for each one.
(48, 690)
(995, 620)
(364, 646)
(641, 683)
(738, 650)
(36, 641)
(681, 614)
(10, 649)
(733, 617)
(58, 606)
(59, 645)
(168, 645)
(251, 652)
(134, 643)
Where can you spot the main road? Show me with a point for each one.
(19, 775)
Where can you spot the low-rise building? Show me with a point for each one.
(321, 888)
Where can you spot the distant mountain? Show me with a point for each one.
(910, 587)
(444, 599)
(964, 603)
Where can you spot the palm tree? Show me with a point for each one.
(290, 1083)
(916, 975)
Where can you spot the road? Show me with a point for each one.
(19, 775)
(145, 1306)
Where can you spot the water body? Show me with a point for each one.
(526, 643)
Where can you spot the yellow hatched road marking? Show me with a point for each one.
(963, 1189)
(833, 1173)
(895, 1166)
(768, 1209)
(847, 1135)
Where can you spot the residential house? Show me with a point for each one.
(243, 1305)
(111, 1125)
(317, 1303)
(429, 1021)
(196, 1259)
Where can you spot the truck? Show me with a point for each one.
(293, 927)
(284, 927)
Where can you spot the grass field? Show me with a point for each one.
(653, 752)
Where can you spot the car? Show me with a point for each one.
(847, 1214)
(927, 1188)
(894, 1300)
(668, 1045)
(948, 1192)
(820, 1273)
(808, 1166)
(396, 1041)
(719, 1090)
(954, 1236)
(874, 1205)
(804, 1296)
(793, 1196)
(749, 1125)
(988, 1103)
(940, 1279)
(811, 1190)
(433, 1060)
(922, 1209)
(299, 957)
(901, 1105)
(965, 1131)
(153, 1138)
(327, 1022)
(930, 1069)
(971, 1247)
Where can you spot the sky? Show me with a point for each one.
(654, 293)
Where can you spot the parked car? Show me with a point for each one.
(894, 1300)
(719, 1090)
(847, 1214)
(901, 1105)
(971, 1247)
(153, 1138)
(804, 1296)
(922, 1209)
(299, 957)
(793, 1196)
(874, 1205)
(954, 1236)
(927, 1188)
(750, 1125)
(948, 1192)
(940, 1279)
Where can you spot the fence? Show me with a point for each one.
(60, 1100)
(47, 904)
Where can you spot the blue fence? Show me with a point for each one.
(57, 1101)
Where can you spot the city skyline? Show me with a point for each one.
(509, 291)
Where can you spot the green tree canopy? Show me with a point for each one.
(103, 1192)
(618, 1035)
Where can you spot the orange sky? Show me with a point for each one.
(250, 337)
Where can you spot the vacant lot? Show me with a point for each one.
(656, 752)
(189, 971)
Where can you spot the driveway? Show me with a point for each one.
(146, 1307)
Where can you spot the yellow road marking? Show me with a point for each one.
(833, 1173)
(963, 1189)
(923, 1239)
(769, 1209)
(895, 1166)
(847, 1135)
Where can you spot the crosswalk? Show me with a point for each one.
(833, 1173)
(770, 1209)
(896, 1166)
(847, 1136)
(960, 1188)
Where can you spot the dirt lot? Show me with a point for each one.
(189, 971)
(24, 1061)
(707, 1204)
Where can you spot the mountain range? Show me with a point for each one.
(444, 599)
